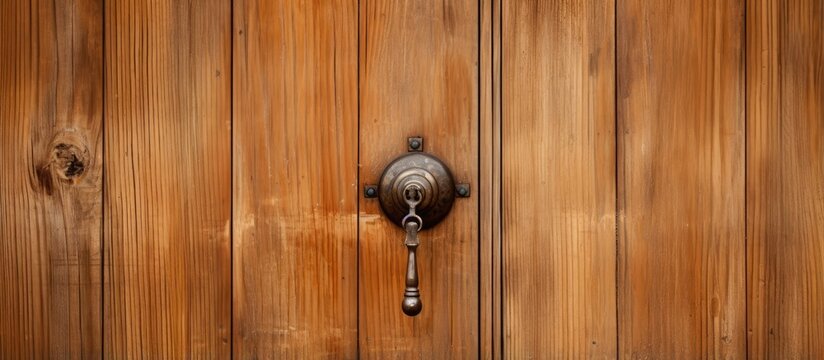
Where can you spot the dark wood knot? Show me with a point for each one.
(66, 162)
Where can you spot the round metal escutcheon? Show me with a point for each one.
(430, 175)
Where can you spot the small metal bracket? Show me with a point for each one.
(462, 190)
(414, 144)
(370, 191)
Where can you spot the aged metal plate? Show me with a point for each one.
(431, 174)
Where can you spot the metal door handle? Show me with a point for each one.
(412, 295)
(416, 192)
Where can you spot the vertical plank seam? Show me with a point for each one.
(358, 183)
(745, 60)
(492, 179)
(231, 179)
(616, 132)
(497, 120)
(103, 183)
(502, 186)
(479, 70)
(496, 117)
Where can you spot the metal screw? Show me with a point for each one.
(370, 191)
(415, 143)
(463, 190)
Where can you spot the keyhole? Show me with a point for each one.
(412, 193)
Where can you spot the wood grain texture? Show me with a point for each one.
(558, 179)
(51, 105)
(167, 204)
(785, 179)
(295, 179)
(419, 76)
(681, 179)
(489, 195)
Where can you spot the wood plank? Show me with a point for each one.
(785, 168)
(295, 179)
(419, 76)
(559, 179)
(681, 179)
(490, 180)
(167, 205)
(51, 106)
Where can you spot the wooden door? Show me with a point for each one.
(325, 96)
(185, 179)
(419, 76)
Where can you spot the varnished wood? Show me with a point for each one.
(419, 76)
(51, 104)
(681, 179)
(785, 179)
(489, 195)
(189, 188)
(558, 182)
(167, 179)
(295, 179)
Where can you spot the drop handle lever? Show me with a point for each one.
(416, 192)
(412, 304)
(412, 295)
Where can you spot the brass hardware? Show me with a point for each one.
(416, 192)
(412, 304)
(434, 180)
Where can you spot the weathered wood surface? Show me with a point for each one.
(558, 179)
(295, 179)
(785, 179)
(185, 188)
(419, 76)
(681, 179)
(167, 265)
(51, 105)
